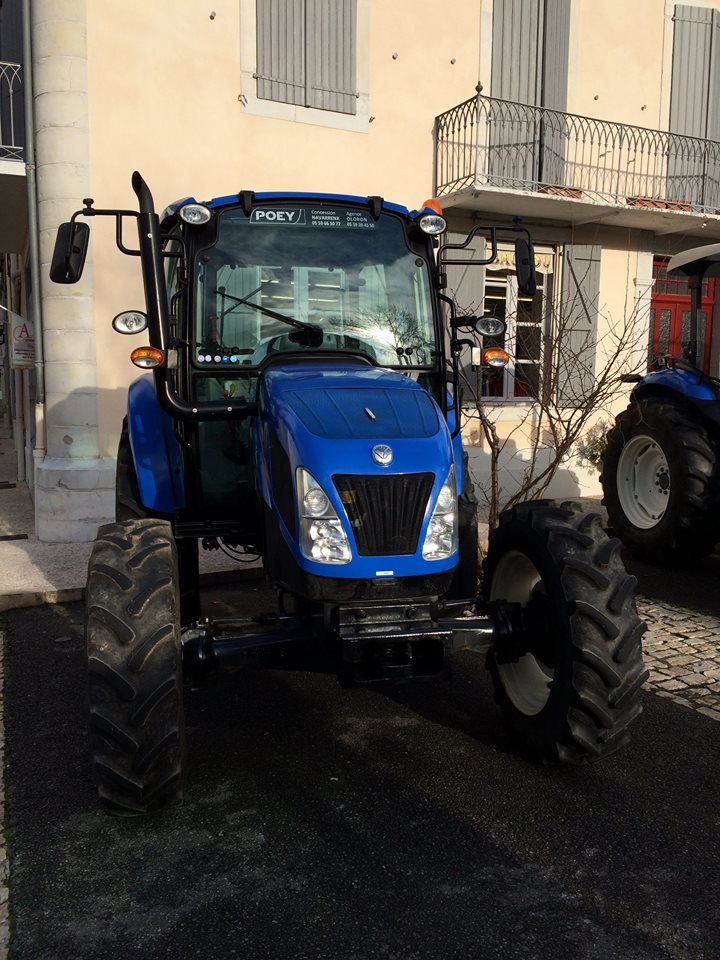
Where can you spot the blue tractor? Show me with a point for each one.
(661, 465)
(301, 402)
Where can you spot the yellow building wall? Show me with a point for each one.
(616, 63)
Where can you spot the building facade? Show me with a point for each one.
(596, 126)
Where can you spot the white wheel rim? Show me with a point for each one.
(643, 482)
(527, 682)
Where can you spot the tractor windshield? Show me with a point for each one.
(325, 277)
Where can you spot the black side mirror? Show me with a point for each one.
(525, 267)
(70, 251)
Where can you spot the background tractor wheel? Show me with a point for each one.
(568, 678)
(135, 667)
(661, 482)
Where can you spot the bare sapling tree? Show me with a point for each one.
(571, 380)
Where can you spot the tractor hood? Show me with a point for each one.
(355, 403)
(331, 419)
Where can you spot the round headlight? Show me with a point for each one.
(194, 213)
(446, 499)
(432, 223)
(130, 321)
(490, 326)
(315, 502)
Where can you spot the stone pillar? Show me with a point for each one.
(74, 484)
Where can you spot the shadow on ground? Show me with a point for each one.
(695, 585)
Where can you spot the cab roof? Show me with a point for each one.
(234, 199)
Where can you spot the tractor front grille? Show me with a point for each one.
(385, 513)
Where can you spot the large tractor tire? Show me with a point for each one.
(661, 482)
(568, 673)
(134, 661)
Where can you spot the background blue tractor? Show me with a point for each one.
(302, 403)
(661, 466)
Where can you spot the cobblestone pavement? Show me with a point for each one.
(682, 653)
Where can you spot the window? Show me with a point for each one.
(306, 53)
(564, 314)
(527, 319)
(493, 290)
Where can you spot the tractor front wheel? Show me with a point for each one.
(134, 661)
(568, 674)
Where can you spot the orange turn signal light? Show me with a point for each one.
(495, 357)
(433, 204)
(147, 357)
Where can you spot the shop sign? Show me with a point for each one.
(22, 341)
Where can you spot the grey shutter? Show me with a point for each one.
(577, 333)
(466, 286)
(692, 44)
(514, 131)
(556, 48)
(693, 111)
(331, 57)
(514, 74)
(555, 55)
(281, 50)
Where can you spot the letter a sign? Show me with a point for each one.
(22, 341)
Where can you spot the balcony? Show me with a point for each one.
(519, 160)
(13, 202)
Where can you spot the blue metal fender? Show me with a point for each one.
(700, 394)
(156, 452)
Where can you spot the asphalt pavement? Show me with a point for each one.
(361, 824)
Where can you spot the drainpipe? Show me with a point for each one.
(33, 242)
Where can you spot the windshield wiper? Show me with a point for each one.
(312, 329)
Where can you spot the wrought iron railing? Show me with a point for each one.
(12, 129)
(519, 147)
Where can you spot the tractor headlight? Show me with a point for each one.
(322, 537)
(195, 213)
(441, 537)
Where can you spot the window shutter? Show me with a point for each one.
(692, 114)
(692, 45)
(331, 43)
(556, 46)
(281, 50)
(514, 74)
(514, 132)
(577, 334)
